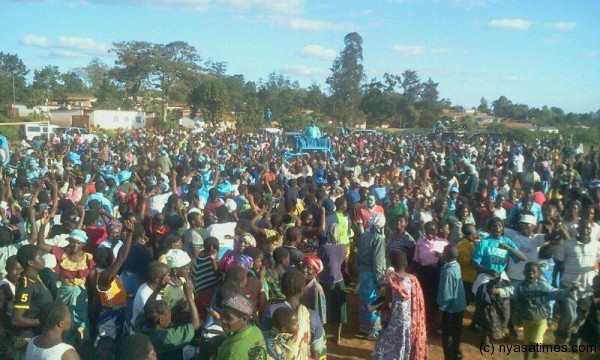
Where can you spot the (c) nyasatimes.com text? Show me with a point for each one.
(541, 348)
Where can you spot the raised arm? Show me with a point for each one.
(188, 289)
(41, 242)
(107, 276)
(54, 208)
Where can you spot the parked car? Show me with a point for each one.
(85, 134)
(28, 132)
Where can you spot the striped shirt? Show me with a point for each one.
(204, 275)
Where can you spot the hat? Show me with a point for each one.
(78, 235)
(177, 258)
(454, 189)
(163, 152)
(239, 303)
(528, 219)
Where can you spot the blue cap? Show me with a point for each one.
(454, 189)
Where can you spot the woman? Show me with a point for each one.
(55, 319)
(310, 233)
(73, 267)
(180, 264)
(246, 341)
(400, 239)
(371, 267)
(314, 296)
(332, 279)
(109, 287)
(405, 337)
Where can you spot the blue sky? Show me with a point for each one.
(534, 52)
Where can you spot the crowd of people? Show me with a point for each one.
(166, 245)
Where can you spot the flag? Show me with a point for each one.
(4, 151)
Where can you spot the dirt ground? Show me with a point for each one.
(356, 346)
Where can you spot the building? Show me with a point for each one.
(117, 119)
(79, 101)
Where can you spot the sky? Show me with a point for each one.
(534, 52)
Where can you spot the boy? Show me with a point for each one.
(293, 237)
(531, 297)
(283, 332)
(157, 275)
(206, 275)
(452, 303)
(465, 251)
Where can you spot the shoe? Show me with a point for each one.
(373, 336)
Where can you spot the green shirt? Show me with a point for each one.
(168, 343)
(239, 345)
(393, 213)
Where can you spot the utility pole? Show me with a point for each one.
(13, 88)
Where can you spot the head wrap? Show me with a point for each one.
(247, 240)
(78, 235)
(239, 303)
(329, 206)
(314, 262)
(177, 258)
(377, 222)
(114, 225)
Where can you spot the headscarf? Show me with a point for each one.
(177, 258)
(79, 235)
(329, 206)
(114, 225)
(314, 262)
(247, 240)
(377, 223)
(239, 303)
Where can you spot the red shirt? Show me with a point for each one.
(96, 235)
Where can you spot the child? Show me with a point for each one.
(587, 325)
(293, 237)
(206, 275)
(465, 252)
(531, 297)
(492, 300)
(452, 302)
(281, 256)
(280, 339)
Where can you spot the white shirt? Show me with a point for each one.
(221, 231)
(528, 246)
(58, 240)
(52, 353)
(579, 260)
(574, 225)
(157, 203)
(518, 161)
(107, 244)
(141, 297)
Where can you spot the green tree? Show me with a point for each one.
(110, 96)
(209, 97)
(502, 107)
(47, 80)
(133, 65)
(375, 104)
(315, 99)
(12, 77)
(72, 83)
(347, 76)
(484, 106)
(94, 74)
(429, 104)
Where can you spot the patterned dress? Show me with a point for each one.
(395, 341)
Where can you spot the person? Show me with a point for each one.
(30, 296)
(400, 239)
(366, 212)
(452, 302)
(331, 279)
(55, 320)
(465, 251)
(110, 289)
(168, 341)
(7, 296)
(310, 337)
(314, 296)
(405, 337)
(531, 297)
(139, 347)
(293, 237)
(587, 325)
(206, 275)
(73, 268)
(426, 262)
(157, 277)
(268, 116)
(576, 260)
(180, 264)
(280, 340)
(246, 341)
(371, 267)
(272, 280)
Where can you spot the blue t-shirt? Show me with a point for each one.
(489, 255)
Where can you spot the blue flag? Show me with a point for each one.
(4, 151)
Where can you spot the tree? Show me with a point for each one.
(209, 97)
(111, 97)
(375, 104)
(133, 65)
(172, 65)
(47, 80)
(315, 99)
(347, 75)
(502, 107)
(428, 103)
(72, 83)
(484, 106)
(12, 76)
(94, 74)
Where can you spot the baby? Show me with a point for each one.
(280, 340)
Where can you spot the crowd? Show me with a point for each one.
(167, 245)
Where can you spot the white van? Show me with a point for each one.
(28, 132)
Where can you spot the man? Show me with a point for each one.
(365, 213)
(191, 237)
(576, 260)
(30, 296)
(164, 162)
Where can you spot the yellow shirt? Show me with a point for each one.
(465, 254)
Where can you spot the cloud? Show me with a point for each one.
(35, 41)
(67, 46)
(513, 24)
(413, 50)
(407, 50)
(318, 51)
(275, 6)
(303, 70)
(562, 26)
(315, 25)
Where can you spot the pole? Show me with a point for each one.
(13, 87)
